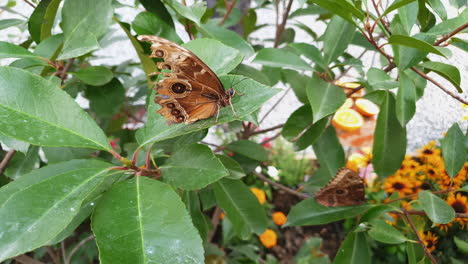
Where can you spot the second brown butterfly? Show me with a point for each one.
(346, 188)
(191, 91)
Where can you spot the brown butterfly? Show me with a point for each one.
(346, 188)
(191, 91)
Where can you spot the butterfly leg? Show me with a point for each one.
(217, 114)
(233, 111)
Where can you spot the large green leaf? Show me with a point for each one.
(397, 4)
(344, 9)
(406, 99)
(311, 52)
(309, 212)
(227, 37)
(329, 151)
(439, 211)
(297, 82)
(42, 114)
(106, 100)
(241, 207)
(94, 75)
(355, 249)
(447, 26)
(255, 94)
(42, 19)
(336, 38)
(157, 7)
(149, 225)
(200, 220)
(83, 23)
(385, 233)
(389, 139)
(193, 167)
(147, 23)
(449, 72)
(249, 149)
(453, 150)
(9, 50)
(297, 122)
(414, 43)
(281, 58)
(13, 143)
(324, 97)
(28, 222)
(193, 12)
(234, 168)
(407, 17)
(379, 79)
(407, 56)
(220, 58)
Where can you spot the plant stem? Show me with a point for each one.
(280, 186)
(29, 3)
(78, 246)
(280, 27)
(420, 240)
(266, 130)
(228, 11)
(6, 160)
(451, 34)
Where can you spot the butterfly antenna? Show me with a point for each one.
(232, 86)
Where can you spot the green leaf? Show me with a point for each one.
(406, 57)
(241, 207)
(447, 26)
(338, 35)
(311, 52)
(6, 23)
(235, 170)
(414, 43)
(42, 114)
(94, 75)
(439, 211)
(389, 139)
(8, 50)
(355, 249)
(376, 211)
(249, 149)
(106, 100)
(42, 20)
(379, 79)
(21, 164)
(60, 154)
(447, 71)
(311, 135)
(297, 122)
(407, 17)
(146, 23)
(459, 43)
(14, 143)
(324, 97)
(151, 225)
(256, 94)
(252, 73)
(193, 167)
(462, 245)
(192, 202)
(83, 23)
(298, 83)
(29, 222)
(157, 7)
(397, 4)
(385, 233)
(344, 9)
(227, 37)
(329, 151)
(193, 12)
(148, 64)
(309, 212)
(453, 150)
(439, 8)
(220, 58)
(281, 58)
(406, 100)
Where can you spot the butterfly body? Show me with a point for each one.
(346, 188)
(191, 91)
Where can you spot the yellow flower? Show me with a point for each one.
(396, 183)
(279, 218)
(429, 239)
(269, 238)
(445, 227)
(260, 195)
(356, 161)
(459, 204)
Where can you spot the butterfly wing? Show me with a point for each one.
(191, 91)
(346, 188)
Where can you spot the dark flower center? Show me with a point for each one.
(459, 207)
(428, 151)
(431, 171)
(429, 244)
(425, 186)
(398, 185)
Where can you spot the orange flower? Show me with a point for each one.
(222, 215)
(260, 195)
(396, 183)
(429, 239)
(460, 205)
(269, 238)
(279, 218)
